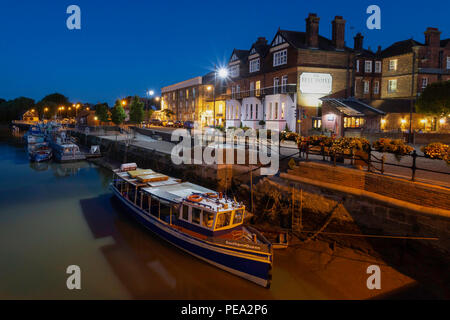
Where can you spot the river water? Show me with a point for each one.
(55, 215)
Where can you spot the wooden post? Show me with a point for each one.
(159, 210)
(301, 209)
(292, 209)
(135, 194)
(251, 188)
(170, 218)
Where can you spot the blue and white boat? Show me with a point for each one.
(34, 135)
(197, 220)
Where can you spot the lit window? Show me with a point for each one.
(282, 110)
(368, 66)
(223, 220)
(208, 219)
(393, 64)
(280, 58)
(258, 88)
(276, 110)
(392, 85)
(254, 65)
(238, 216)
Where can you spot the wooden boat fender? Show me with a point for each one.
(195, 198)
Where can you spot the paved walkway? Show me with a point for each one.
(289, 149)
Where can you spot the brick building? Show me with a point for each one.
(281, 83)
(193, 100)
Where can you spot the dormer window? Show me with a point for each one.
(234, 71)
(278, 40)
(280, 58)
(254, 65)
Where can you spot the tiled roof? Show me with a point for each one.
(298, 40)
(445, 42)
(400, 47)
(392, 105)
(353, 107)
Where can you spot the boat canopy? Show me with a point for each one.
(175, 193)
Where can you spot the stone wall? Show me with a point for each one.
(413, 192)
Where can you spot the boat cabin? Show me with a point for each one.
(180, 204)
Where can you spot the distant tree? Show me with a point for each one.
(57, 98)
(2, 100)
(435, 99)
(148, 114)
(168, 113)
(14, 109)
(136, 110)
(102, 112)
(118, 114)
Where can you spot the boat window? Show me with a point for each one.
(165, 212)
(223, 219)
(238, 216)
(196, 215)
(208, 219)
(185, 213)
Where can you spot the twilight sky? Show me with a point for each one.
(127, 47)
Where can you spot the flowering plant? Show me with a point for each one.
(343, 144)
(437, 150)
(396, 146)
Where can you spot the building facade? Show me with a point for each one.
(279, 85)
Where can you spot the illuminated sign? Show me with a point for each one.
(320, 83)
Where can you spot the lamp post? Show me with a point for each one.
(223, 74)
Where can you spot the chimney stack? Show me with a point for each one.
(358, 41)
(261, 40)
(432, 37)
(312, 31)
(338, 32)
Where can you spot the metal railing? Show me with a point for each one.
(371, 161)
(280, 89)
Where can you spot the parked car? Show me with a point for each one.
(156, 122)
(188, 124)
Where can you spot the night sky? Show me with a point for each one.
(127, 47)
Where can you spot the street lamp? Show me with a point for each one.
(150, 93)
(223, 74)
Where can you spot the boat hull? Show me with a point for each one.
(254, 267)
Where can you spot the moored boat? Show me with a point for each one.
(42, 153)
(197, 220)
